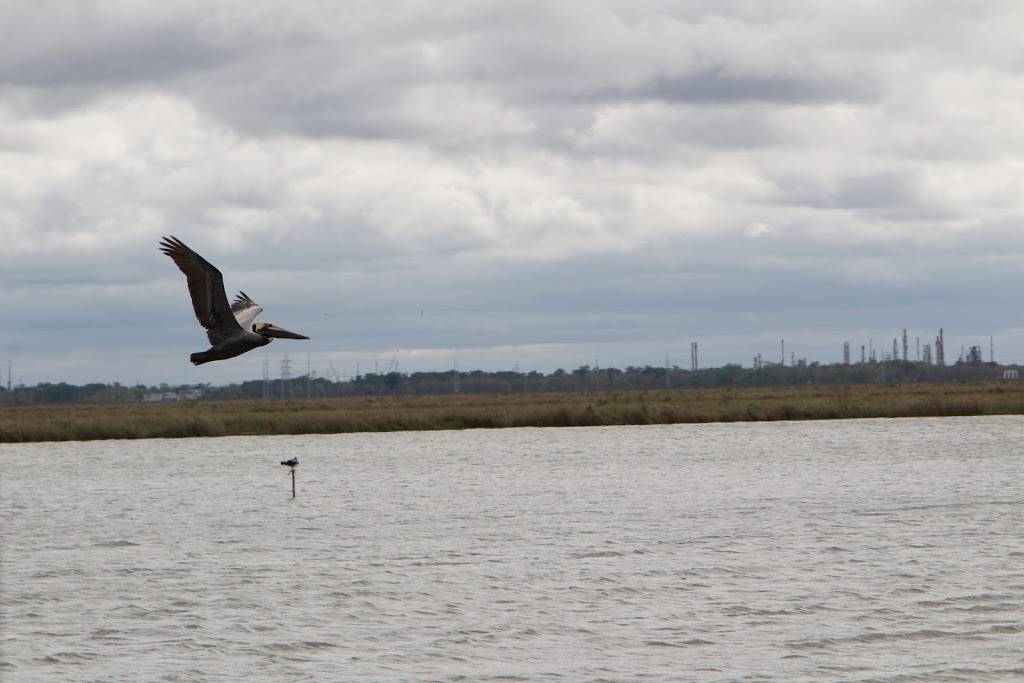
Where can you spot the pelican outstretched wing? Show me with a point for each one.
(245, 309)
(206, 287)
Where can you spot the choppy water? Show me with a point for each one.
(871, 550)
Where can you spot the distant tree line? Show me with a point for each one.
(70, 393)
(583, 378)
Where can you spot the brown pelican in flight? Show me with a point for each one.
(227, 327)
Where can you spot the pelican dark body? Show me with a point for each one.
(231, 347)
(225, 325)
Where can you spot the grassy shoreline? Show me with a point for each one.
(398, 413)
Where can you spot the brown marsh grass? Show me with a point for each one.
(395, 413)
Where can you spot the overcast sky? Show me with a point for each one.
(501, 184)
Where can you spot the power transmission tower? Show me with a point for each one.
(286, 373)
(266, 379)
(337, 378)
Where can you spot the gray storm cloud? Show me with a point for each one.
(528, 183)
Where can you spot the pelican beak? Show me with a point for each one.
(281, 333)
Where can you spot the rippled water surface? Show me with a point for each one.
(868, 550)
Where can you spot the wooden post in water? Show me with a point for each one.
(291, 464)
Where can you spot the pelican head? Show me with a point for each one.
(268, 330)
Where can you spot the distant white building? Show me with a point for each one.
(167, 396)
(1011, 374)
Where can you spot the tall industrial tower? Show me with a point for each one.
(940, 349)
(693, 357)
(906, 357)
(846, 353)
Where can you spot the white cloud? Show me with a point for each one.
(759, 230)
